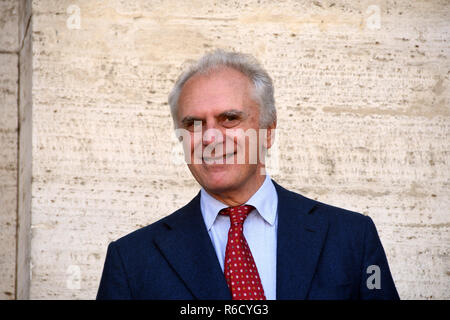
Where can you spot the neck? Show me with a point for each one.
(241, 195)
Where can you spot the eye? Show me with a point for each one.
(190, 124)
(230, 121)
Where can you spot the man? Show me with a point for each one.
(243, 236)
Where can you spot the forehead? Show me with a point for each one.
(216, 90)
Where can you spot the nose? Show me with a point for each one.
(211, 135)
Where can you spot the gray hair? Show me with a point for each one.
(263, 91)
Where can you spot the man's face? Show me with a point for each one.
(222, 159)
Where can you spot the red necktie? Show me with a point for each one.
(240, 268)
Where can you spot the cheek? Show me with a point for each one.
(246, 142)
(230, 144)
(195, 141)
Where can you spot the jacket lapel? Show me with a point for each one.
(187, 247)
(300, 238)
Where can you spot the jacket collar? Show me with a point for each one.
(301, 235)
(188, 249)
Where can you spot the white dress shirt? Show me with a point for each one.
(260, 231)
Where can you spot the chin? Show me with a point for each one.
(221, 181)
(221, 178)
(217, 185)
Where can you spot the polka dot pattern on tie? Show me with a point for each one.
(240, 269)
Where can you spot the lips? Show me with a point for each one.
(220, 159)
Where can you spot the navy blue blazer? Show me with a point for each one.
(323, 252)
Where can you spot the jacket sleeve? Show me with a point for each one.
(376, 278)
(114, 282)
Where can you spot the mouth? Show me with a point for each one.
(220, 159)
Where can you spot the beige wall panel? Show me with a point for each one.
(9, 25)
(8, 173)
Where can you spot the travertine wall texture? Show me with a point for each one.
(362, 92)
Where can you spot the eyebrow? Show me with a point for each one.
(232, 112)
(188, 120)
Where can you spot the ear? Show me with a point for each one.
(270, 138)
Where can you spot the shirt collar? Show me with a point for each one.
(265, 200)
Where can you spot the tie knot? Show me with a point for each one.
(237, 214)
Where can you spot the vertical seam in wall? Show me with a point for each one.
(21, 45)
(18, 174)
(18, 158)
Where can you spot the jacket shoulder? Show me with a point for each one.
(142, 236)
(334, 214)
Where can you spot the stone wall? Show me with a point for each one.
(363, 123)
